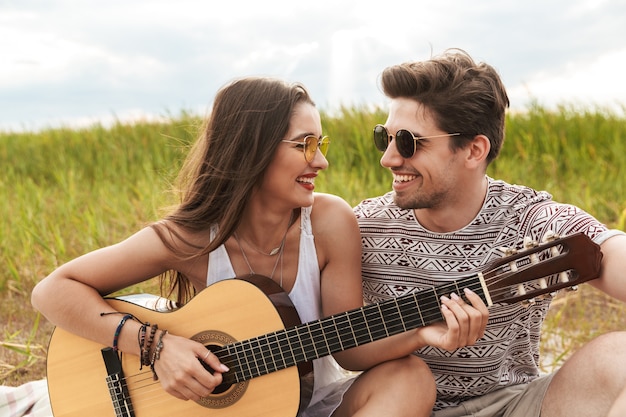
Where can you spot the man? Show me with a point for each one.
(445, 219)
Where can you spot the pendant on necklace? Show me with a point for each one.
(274, 251)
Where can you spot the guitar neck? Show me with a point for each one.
(275, 351)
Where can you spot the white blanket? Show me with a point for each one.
(27, 400)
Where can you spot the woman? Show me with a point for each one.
(248, 207)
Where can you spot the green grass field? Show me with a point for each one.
(64, 192)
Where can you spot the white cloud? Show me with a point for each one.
(596, 82)
(41, 55)
(70, 60)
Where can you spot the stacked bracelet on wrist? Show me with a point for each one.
(156, 355)
(141, 340)
(144, 339)
(145, 348)
(116, 336)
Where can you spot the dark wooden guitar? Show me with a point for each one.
(252, 327)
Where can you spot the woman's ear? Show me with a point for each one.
(478, 150)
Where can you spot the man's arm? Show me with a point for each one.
(613, 275)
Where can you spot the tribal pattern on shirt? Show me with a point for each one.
(400, 257)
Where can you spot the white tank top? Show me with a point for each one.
(305, 294)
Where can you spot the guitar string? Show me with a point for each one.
(427, 310)
(261, 370)
(437, 303)
(257, 367)
(375, 333)
(309, 347)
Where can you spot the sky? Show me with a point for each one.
(78, 62)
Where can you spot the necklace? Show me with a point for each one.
(273, 251)
(279, 258)
(278, 250)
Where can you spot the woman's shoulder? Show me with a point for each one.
(173, 235)
(331, 212)
(325, 200)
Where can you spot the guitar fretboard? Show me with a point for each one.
(275, 351)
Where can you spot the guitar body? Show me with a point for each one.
(226, 311)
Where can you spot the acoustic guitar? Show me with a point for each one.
(251, 325)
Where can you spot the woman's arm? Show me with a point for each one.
(71, 298)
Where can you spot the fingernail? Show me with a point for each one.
(468, 291)
(224, 368)
(454, 296)
(444, 298)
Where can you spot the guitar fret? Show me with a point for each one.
(318, 337)
(256, 349)
(381, 318)
(390, 317)
(410, 313)
(400, 316)
(332, 336)
(252, 359)
(306, 339)
(245, 368)
(286, 349)
(276, 352)
(337, 328)
(290, 359)
(346, 337)
(308, 328)
(360, 329)
(419, 309)
(437, 297)
(367, 327)
(351, 326)
(373, 316)
(297, 347)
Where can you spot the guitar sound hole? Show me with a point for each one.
(223, 387)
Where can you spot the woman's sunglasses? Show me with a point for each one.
(310, 144)
(406, 142)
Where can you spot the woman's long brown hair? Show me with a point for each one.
(250, 117)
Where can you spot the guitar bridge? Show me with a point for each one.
(117, 384)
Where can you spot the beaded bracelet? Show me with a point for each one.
(156, 355)
(145, 351)
(141, 339)
(116, 336)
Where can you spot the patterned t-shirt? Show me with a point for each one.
(400, 257)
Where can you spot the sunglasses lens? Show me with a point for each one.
(311, 143)
(323, 144)
(405, 143)
(381, 138)
(310, 146)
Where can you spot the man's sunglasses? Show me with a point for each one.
(310, 144)
(406, 142)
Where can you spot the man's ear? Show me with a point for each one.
(478, 150)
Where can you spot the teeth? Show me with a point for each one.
(307, 180)
(403, 178)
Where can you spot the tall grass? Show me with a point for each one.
(64, 192)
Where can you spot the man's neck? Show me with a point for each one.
(457, 213)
